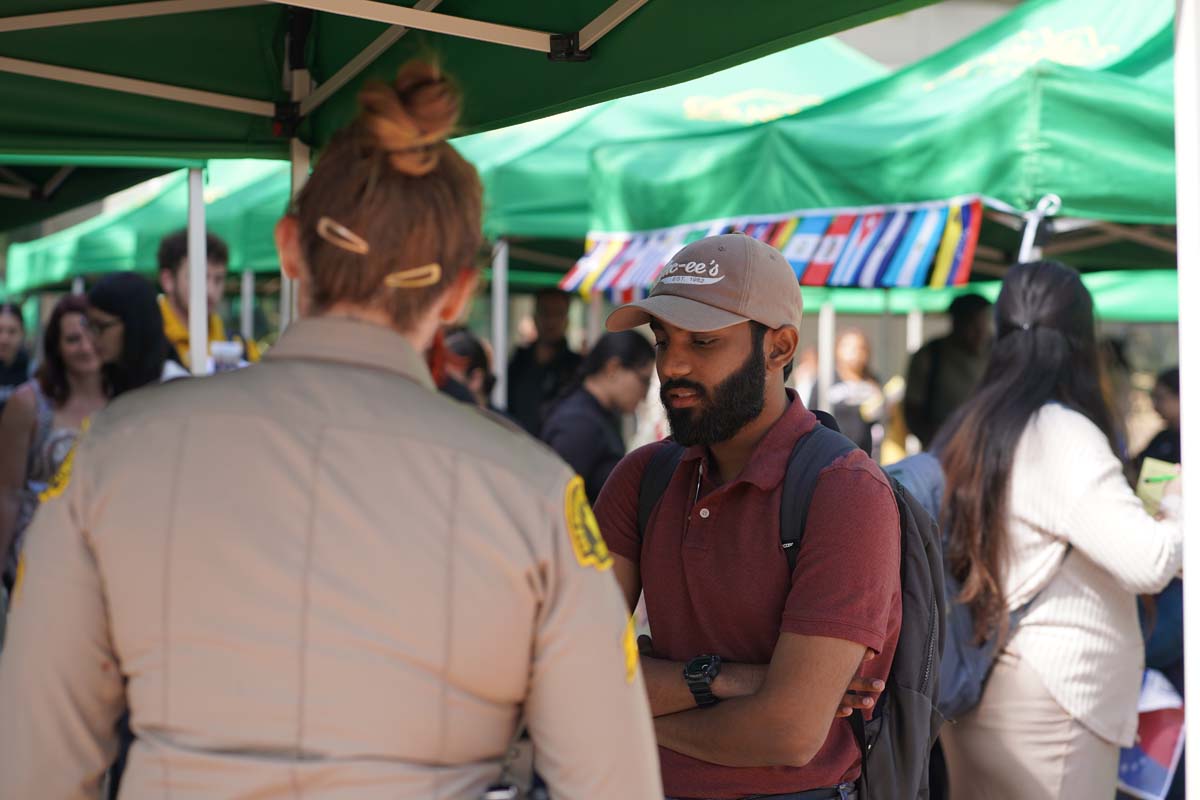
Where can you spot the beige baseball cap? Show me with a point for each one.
(717, 282)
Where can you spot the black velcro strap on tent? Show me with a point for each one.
(659, 471)
(815, 451)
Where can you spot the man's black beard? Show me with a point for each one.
(737, 401)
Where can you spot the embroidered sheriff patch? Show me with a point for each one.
(586, 541)
(629, 641)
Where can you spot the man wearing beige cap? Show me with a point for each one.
(749, 660)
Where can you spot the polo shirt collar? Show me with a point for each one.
(768, 463)
(351, 341)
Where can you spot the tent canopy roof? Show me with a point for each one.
(536, 174)
(1071, 97)
(96, 77)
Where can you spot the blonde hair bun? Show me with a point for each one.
(411, 118)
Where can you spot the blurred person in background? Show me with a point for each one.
(539, 371)
(174, 273)
(469, 363)
(1040, 520)
(42, 419)
(1166, 445)
(14, 359)
(856, 398)
(319, 577)
(124, 316)
(944, 373)
(584, 427)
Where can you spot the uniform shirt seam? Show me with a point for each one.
(451, 557)
(168, 557)
(305, 580)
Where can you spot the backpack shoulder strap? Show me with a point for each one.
(659, 471)
(815, 451)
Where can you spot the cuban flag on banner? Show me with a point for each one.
(862, 239)
(829, 251)
(1147, 769)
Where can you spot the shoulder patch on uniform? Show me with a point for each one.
(632, 658)
(586, 541)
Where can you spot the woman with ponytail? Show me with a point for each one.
(1040, 519)
(585, 426)
(319, 577)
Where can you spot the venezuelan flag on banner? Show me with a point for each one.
(909, 244)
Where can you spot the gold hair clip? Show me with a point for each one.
(415, 278)
(339, 235)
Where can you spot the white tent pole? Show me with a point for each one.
(301, 158)
(1187, 210)
(77, 285)
(595, 319)
(53, 19)
(915, 332)
(500, 323)
(116, 83)
(352, 68)
(247, 304)
(1048, 206)
(197, 274)
(429, 21)
(826, 333)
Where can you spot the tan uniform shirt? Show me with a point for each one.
(318, 578)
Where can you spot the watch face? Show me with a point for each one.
(700, 668)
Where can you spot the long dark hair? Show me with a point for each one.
(133, 300)
(52, 374)
(1045, 351)
(630, 348)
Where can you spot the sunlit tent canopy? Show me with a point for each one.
(243, 199)
(1071, 98)
(536, 174)
(33, 188)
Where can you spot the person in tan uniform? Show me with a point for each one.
(318, 577)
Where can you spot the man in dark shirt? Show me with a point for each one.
(540, 371)
(768, 652)
(943, 373)
(1166, 445)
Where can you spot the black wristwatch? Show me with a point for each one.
(699, 673)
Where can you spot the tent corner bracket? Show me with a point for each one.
(565, 47)
(287, 119)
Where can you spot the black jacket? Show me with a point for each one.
(587, 436)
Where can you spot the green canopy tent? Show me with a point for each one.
(1065, 97)
(267, 78)
(33, 188)
(1070, 98)
(535, 175)
(242, 198)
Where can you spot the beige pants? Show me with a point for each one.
(1019, 744)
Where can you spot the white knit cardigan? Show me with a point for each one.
(1081, 636)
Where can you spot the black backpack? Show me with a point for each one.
(897, 740)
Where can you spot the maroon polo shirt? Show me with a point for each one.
(716, 581)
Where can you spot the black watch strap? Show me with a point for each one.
(699, 674)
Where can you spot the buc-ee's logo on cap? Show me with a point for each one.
(695, 273)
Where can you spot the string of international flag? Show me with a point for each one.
(905, 245)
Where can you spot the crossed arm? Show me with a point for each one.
(776, 714)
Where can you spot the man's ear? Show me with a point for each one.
(781, 345)
(287, 243)
(166, 279)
